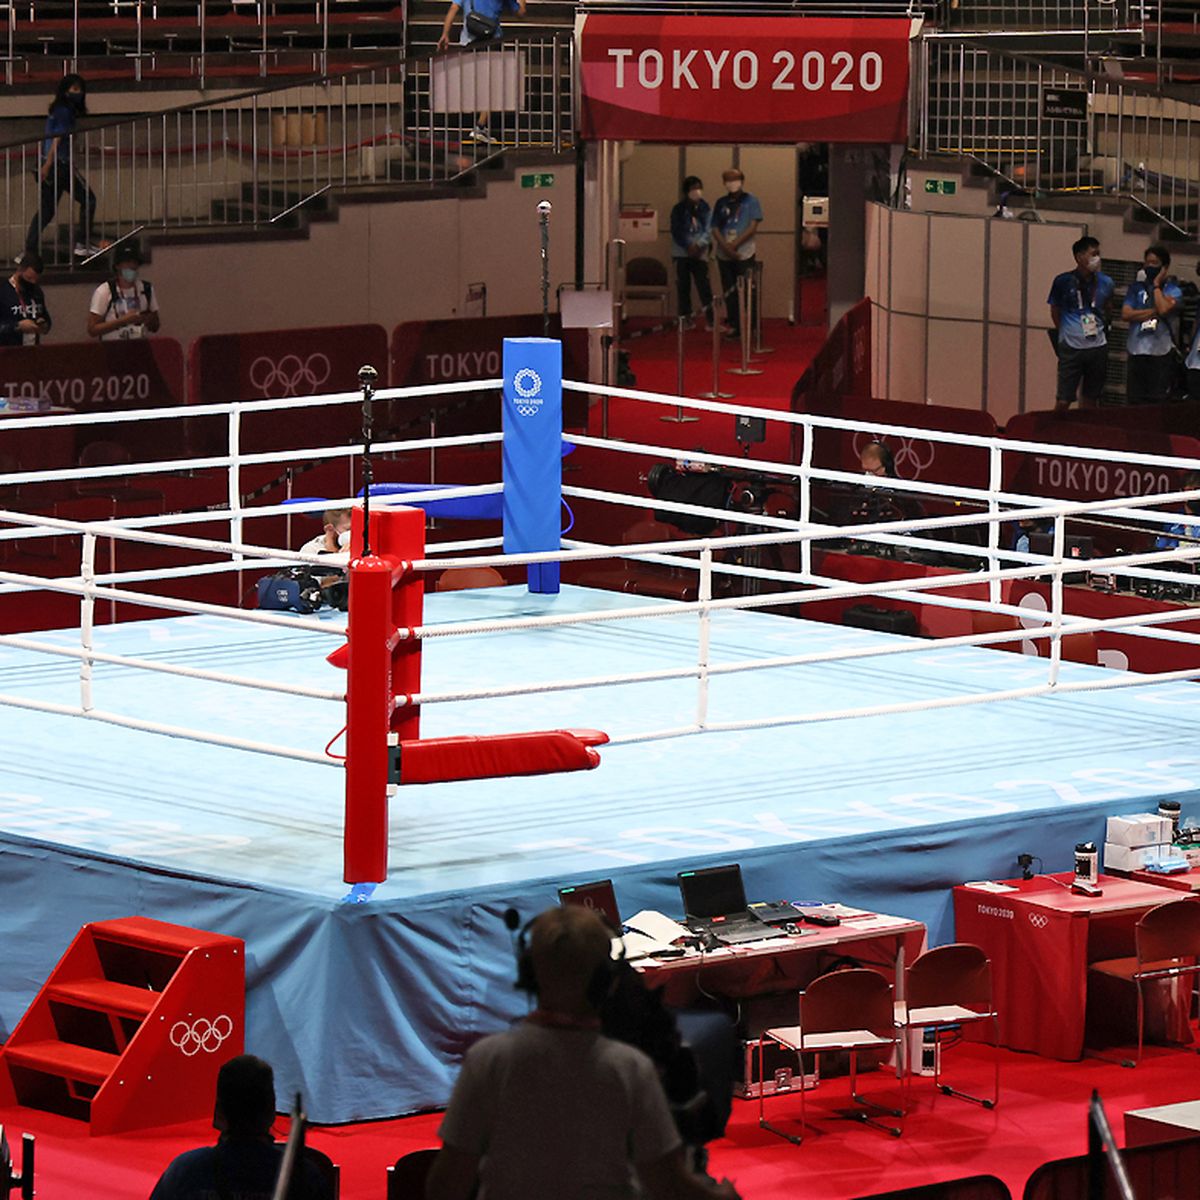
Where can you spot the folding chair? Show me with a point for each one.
(844, 1010)
(950, 986)
(1167, 946)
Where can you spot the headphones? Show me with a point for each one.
(600, 986)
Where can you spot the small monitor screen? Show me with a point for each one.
(713, 892)
(599, 895)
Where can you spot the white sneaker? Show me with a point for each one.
(482, 135)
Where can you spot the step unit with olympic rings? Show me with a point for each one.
(131, 1028)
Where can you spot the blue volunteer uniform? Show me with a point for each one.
(1150, 368)
(1082, 343)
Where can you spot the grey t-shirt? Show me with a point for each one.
(565, 1113)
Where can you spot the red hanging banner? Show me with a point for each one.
(739, 79)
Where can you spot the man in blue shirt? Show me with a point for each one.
(735, 220)
(1152, 310)
(691, 240)
(245, 1161)
(481, 23)
(1079, 302)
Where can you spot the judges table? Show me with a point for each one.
(786, 964)
(1041, 937)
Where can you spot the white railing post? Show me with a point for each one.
(704, 596)
(995, 482)
(806, 456)
(234, 496)
(87, 617)
(1056, 598)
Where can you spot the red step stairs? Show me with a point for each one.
(131, 1028)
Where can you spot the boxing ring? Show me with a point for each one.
(186, 767)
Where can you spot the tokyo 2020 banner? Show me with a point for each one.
(739, 79)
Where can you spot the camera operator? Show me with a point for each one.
(553, 1107)
(1150, 310)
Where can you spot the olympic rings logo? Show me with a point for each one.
(1039, 920)
(912, 456)
(201, 1034)
(527, 383)
(290, 376)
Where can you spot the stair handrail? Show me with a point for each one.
(255, 156)
(1147, 171)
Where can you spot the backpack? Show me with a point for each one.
(147, 291)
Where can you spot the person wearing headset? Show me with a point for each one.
(552, 1107)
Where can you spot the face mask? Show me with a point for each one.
(75, 99)
(344, 539)
(694, 197)
(129, 274)
(733, 186)
(1093, 263)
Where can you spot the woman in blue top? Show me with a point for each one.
(691, 242)
(58, 173)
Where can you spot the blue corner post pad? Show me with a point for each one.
(532, 419)
(359, 893)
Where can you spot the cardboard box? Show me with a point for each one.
(1132, 858)
(1139, 829)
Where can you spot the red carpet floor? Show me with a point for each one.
(1041, 1116)
(653, 360)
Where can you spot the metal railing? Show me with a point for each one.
(256, 158)
(1047, 127)
(1074, 15)
(765, 8)
(141, 32)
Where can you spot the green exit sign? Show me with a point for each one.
(941, 187)
(532, 181)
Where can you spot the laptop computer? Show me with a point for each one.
(714, 900)
(599, 895)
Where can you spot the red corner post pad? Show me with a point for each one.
(442, 760)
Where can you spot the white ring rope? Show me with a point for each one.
(812, 420)
(195, 735)
(806, 586)
(19, 642)
(884, 710)
(189, 412)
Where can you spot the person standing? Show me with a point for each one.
(124, 307)
(481, 23)
(1079, 302)
(1151, 310)
(58, 171)
(691, 241)
(552, 1108)
(735, 220)
(24, 317)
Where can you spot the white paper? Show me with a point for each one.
(987, 885)
(656, 927)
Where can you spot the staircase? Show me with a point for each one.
(131, 1028)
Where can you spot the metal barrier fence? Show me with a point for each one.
(142, 32)
(1054, 128)
(256, 158)
(1075, 15)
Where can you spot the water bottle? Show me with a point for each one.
(1086, 863)
(1170, 810)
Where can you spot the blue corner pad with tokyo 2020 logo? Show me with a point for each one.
(532, 420)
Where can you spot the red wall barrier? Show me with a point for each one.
(1080, 479)
(425, 352)
(283, 362)
(90, 377)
